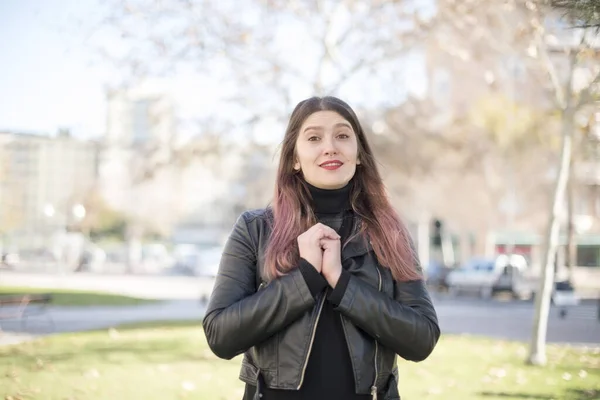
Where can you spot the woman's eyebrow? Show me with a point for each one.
(320, 128)
(313, 127)
(345, 124)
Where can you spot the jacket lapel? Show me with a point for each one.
(358, 245)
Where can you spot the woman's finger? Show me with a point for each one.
(328, 242)
(326, 231)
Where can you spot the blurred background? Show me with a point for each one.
(133, 133)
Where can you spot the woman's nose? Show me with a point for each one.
(330, 147)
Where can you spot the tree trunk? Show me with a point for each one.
(571, 249)
(424, 241)
(537, 354)
(134, 247)
(448, 249)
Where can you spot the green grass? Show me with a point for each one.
(172, 361)
(67, 297)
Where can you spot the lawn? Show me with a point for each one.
(67, 297)
(173, 362)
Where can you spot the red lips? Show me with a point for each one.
(331, 164)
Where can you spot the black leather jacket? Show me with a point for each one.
(274, 324)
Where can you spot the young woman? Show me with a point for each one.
(323, 289)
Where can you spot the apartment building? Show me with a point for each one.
(42, 180)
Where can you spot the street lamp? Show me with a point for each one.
(49, 210)
(583, 223)
(79, 211)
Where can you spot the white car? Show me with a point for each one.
(490, 275)
(208, 262)
(198, 261)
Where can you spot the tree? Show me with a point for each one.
(570, 98)
(267, 55)
(264, 57)
(507, 132)
(469, 133)
(583, 141)
(565, 77)
(581, 13)
(355, 49)
(345, 39)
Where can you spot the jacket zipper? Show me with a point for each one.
(374, 387)
(312, 338)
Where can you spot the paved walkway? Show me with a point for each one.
(74, 319)
(143, 286)
(8, 338)
(181, 295)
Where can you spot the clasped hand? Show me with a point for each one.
(321, 246)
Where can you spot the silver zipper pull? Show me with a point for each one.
(374, 392)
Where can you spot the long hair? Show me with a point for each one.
(292, 203)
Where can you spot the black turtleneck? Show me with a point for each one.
(330, 201)
(329, 374)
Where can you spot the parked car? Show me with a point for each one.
(9, 260)
(437, 274)
(563, 294)
(488, 276)
(209, 262)
(195, 261)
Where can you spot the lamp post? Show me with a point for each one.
(62, 244)
(49, 210)
(78, 212)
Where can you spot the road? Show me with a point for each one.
(461, 315)
(514, 320)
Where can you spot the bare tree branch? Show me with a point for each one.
(580, 13)
(586, 96)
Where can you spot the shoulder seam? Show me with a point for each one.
(252, 238)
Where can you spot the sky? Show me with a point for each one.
(46, 78)
(49, 79)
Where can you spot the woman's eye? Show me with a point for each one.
(343, 136)
(313, 138)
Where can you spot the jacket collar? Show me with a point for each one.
(358, 245)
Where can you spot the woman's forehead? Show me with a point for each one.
(322, 119)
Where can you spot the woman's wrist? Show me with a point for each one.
(333, 277)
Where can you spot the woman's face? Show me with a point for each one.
(326, 150)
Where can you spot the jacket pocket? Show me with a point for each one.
(391, 392)
(249, 372)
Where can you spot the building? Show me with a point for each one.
(215, 191)
(43, 182)
(140, 128)
(176, 187)
(137, 116)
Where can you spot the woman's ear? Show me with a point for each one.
(297, 166)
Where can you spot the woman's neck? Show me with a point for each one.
(330, 201)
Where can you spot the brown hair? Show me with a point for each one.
(293, 214)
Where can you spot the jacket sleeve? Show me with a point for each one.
(237, 316)
(406, 323)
